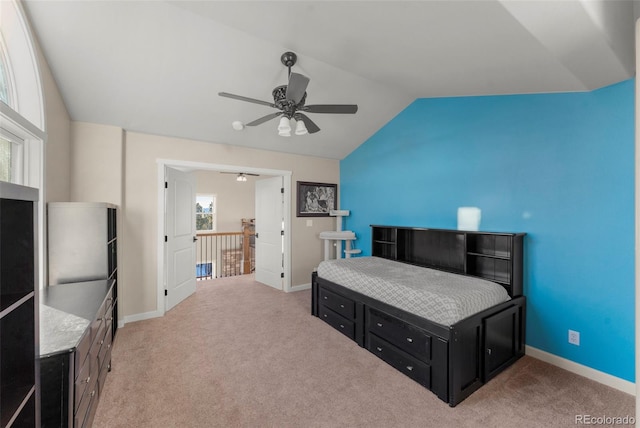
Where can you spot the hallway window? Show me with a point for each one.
(205, 213)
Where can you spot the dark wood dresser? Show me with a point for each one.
(76, 336)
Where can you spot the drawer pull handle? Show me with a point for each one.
(88, 379)
(109, 346)
(102, 341)
(410, 340)
(379, 349)
(342, 306)
(325, 315)
(93, 392)
(379, 324)
(325, 298)
(109, 319)
(341, 325)
(410, 368)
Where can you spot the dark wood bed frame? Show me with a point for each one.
(451, 361)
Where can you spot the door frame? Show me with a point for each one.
(203, 166)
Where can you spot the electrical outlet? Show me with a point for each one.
(574, 337)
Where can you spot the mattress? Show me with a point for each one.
(442, 297)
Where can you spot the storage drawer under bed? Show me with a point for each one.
(400, 360)
(338, 303)
(338, 322)
(408, 338)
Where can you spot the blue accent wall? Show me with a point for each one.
(559, 167)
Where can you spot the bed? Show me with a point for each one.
(444, 307)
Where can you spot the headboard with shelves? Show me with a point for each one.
(495, 256)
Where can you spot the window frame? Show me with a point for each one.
(213, 212)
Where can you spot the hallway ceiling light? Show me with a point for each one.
(241, 177)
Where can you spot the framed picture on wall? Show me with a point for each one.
(316, 199)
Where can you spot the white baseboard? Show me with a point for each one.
(300, 287)
(141, 317)
(579, 369)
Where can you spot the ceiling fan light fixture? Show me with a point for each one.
(237, 125)
(241, 177)
(284, 128)
(290, 101)
(301, 129)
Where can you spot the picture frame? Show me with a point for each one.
(315, 199)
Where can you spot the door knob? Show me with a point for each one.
(195, 238)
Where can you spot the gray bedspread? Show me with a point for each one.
(441, 297)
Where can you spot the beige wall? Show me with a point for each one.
(138, 262)
(96, 163)
(58, 144)
(234, 200)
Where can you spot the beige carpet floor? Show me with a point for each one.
(240, 354)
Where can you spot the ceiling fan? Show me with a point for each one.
(290, 100)
(241, 176)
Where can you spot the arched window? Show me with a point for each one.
(10, 145)
(22, 131)
(22, 118)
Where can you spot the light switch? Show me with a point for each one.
(309, 223)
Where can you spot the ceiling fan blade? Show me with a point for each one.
(251, 100)
(297, 87)
(331, 108)
(263, 119)
(312, 128)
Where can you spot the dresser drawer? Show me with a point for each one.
(338, 322)
(82, 351)
(400, 360)
(405, 336)
(340, 304)
(108, 303)
(89, 397)
(81, 383)
(97, 341)
(105, 348)
(103, 372)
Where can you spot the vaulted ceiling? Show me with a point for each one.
(157, 66)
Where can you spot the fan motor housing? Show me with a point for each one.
(282, 103)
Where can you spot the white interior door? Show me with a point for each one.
(269, 226)
(180, 232)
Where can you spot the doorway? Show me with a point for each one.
(187, 166)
